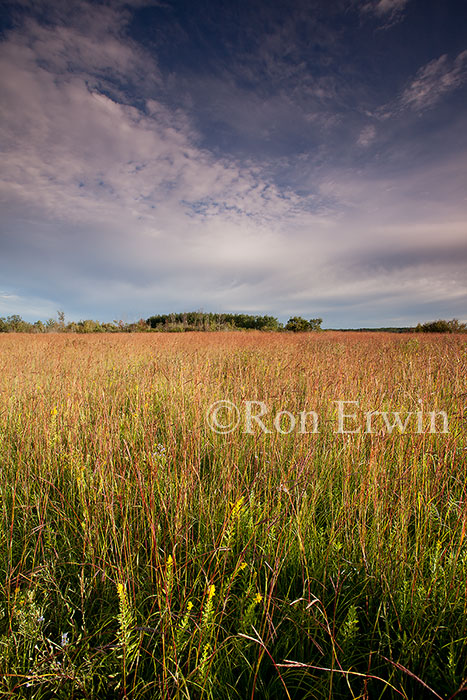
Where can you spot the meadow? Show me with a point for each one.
(144, 555)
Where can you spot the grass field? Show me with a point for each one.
(143, 555)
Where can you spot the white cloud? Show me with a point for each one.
(79, 155)
(367, 135)
(431, 83)
(120, 187)
(32, 307)
(389, 11)
(434, 80)
(384, 7)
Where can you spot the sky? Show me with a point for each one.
(306, 157)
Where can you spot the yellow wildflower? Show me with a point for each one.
(237, 506)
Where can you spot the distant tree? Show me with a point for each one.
(267, 323)
(15, 324)
(109, 327)
(297, 324)
(442, 326)
(315, 324)
(51, 325)
(61, 320)
(139, 326)
(89, 326)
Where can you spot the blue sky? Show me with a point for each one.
(288, 158)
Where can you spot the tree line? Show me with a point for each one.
(201, 321)
(15, 324)
(442, 326)
(173, 323)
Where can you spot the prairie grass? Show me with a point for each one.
(145, 556)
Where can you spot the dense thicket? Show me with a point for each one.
(201, 321)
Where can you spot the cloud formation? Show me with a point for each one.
(388, 11)
(367, 135)
(123, 197)
(434, 80)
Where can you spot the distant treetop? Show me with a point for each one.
(299, 324)
(442, 326)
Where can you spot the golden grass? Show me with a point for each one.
(183, 563)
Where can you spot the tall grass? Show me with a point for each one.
(145, 556)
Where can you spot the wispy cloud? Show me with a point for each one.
(31, 307)
(388, 11)
(367, 135)
(80, 153)
(434, 80)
